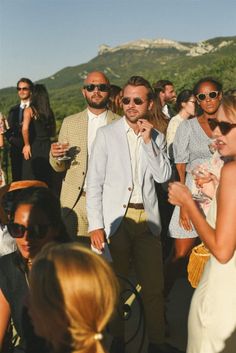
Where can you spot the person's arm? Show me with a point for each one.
(184, 220)
(5, 317)
(27, 116)
(220, 241)
(1, 141)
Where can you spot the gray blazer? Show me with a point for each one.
(110, 178)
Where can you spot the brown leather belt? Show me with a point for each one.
(137, 206)
(83, 193)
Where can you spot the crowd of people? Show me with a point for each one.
(146, 175)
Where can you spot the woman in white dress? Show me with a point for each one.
(212, 317)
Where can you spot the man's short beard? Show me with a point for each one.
(100, 105)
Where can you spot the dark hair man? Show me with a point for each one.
(165, 93)
(13, 134)
(79, 131)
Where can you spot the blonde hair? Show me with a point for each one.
(228, 104)
(73, 293)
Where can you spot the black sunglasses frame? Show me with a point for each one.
(102, 87)
(36, 231)
(136, 100)
(224, 126)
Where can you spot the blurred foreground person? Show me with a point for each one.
(72, 297)
(35, 220)
(212, 317)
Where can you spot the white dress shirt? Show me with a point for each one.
(134, 142)
(94, 123)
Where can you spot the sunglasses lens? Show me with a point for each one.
(125, 100)
(225, 127)
(138, 101)
(213, 94)
(212, 123)
(16, 230)
(103, 87)
(90, 88)
(201, 96)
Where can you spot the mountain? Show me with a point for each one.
(181, 62)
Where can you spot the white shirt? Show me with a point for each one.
(24, 105)
(94, 123)
(134, 142)
(165, 110)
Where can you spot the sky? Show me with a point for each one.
(40, 37)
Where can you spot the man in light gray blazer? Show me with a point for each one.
(127, 158)
(79, 131)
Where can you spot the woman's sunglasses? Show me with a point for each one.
(224, 126)
(36, 231)
(202, 96)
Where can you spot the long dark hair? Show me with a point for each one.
(41, 107)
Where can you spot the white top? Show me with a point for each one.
(94, 123)
(7, 243)
(171, 130)
(134, 142)
(165, 110)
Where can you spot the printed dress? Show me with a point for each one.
(190, 146)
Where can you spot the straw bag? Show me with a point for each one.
(197, 261)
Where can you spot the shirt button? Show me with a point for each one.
(130, 189)
(124, 206)
(83, 173)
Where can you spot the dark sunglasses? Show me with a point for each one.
(202, 96)
(22, 88)
(103, 87)
(136, 100)
(38, 231)
(224, 126)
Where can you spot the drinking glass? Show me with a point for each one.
(198, 172)
(64, 146)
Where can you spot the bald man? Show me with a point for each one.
(79, 130)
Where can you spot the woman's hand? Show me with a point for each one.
(26, 152)
(184, 220)
(180, 195)
(208, 184)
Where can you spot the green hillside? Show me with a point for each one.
(152, 63)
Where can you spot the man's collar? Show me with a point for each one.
(24, 105)
(94, 116)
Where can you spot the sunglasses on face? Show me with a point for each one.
(136, 100)
(22, 89)
(36, 231)
(224, 126)
(103, 87)
(202, 96)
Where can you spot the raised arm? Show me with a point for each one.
(221, 241)
(27, 116)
